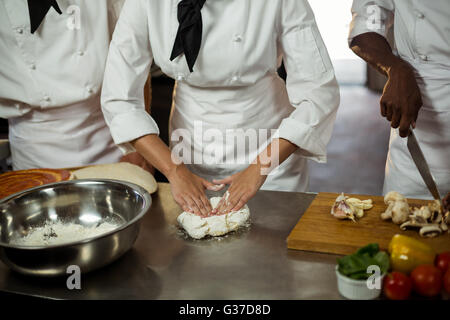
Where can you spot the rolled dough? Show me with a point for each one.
(198, 227)
(119, 171)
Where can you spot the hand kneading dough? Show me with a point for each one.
(119, 171)
(198, 227)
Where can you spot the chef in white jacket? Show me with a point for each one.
(224, 56)
(418, 89)
(53, 55)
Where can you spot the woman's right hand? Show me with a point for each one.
(188, 190)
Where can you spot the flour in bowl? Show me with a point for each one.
(55, 233)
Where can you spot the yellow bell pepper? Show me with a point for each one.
(408, 253)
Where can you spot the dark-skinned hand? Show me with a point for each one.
(401, 99)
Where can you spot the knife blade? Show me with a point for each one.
(422, 165)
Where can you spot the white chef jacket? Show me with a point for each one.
(243, 43)
(60, 66)
(422, 38)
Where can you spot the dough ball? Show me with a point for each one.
(198, 227)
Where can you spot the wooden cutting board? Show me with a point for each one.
(318, 231)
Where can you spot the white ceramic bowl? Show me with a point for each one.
(356, 289)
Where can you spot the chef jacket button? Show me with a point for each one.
(32, 66)
(20, 31)
(81, 53)
(420, 15)
(235, 78)
(180, 77)
(237, 38)
(423, 57)
(47, 98)
(90, 90)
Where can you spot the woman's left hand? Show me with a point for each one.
(243, 186)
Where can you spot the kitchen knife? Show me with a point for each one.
(422, 165)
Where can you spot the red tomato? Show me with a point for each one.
(427, 280)
(447, 281)
(443, 261)
(397, 286)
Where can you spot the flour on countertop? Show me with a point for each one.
(55, 233)
(198, 227)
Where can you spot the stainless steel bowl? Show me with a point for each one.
(85, 202)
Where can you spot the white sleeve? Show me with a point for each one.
(127, 69)
(311, 83)
(371, 16)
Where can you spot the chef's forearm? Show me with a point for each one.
(156, 152)
(376, 51)
(275, 153)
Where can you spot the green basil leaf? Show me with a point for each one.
(371, 249)
(360, 276)
(355, 265)
(382, 260)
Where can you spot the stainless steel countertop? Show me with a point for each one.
(251, 264)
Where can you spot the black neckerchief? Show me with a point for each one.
(38, 10)
(189, 34)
